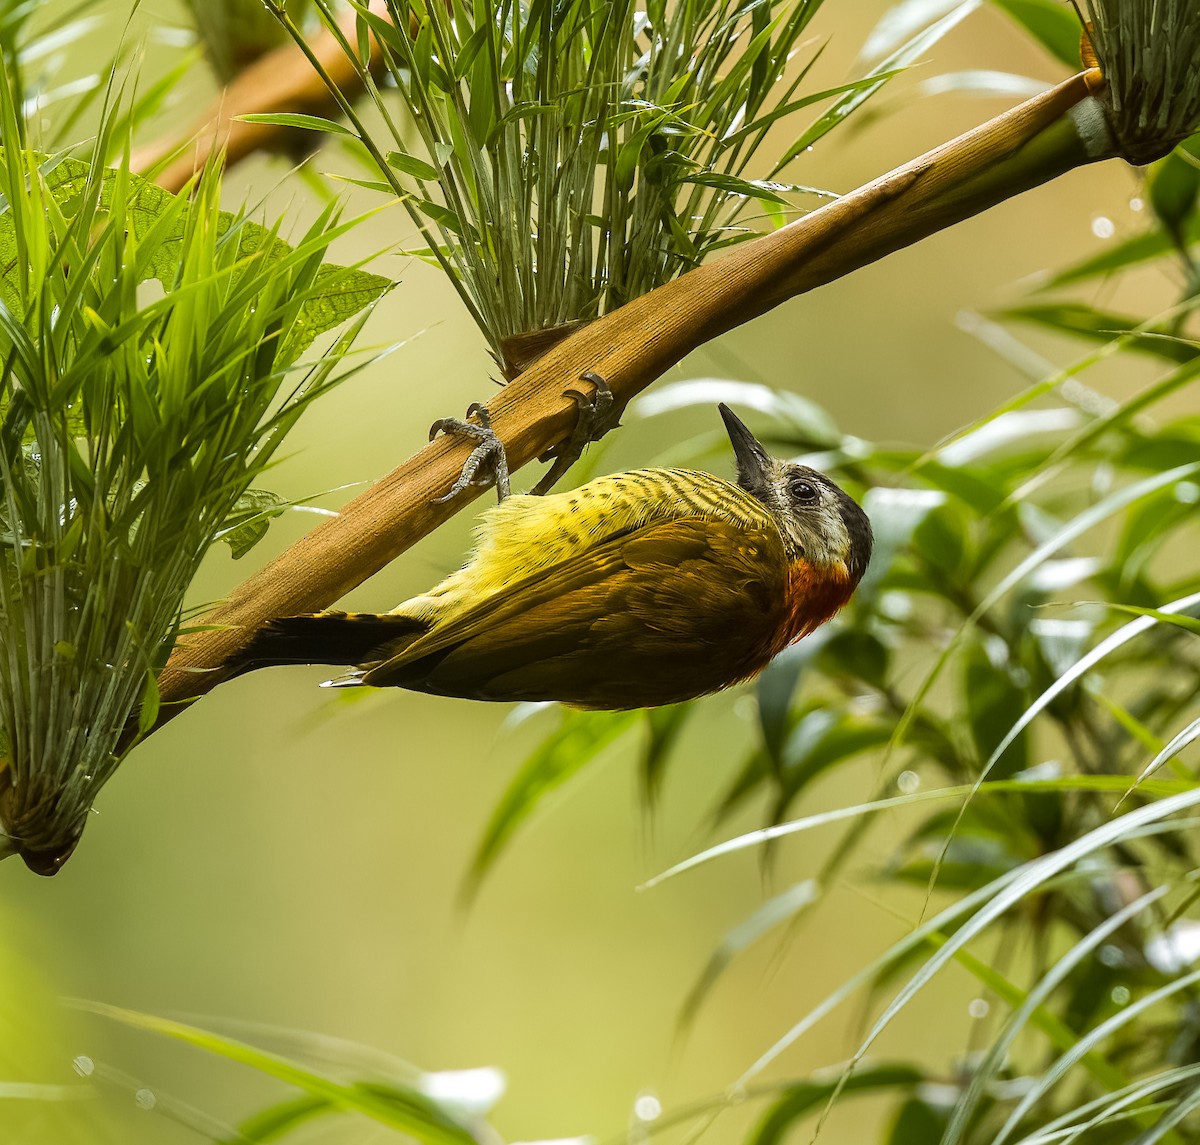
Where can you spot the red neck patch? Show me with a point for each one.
(815, 593)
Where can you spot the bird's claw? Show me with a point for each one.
(598, 413)
(488, 462)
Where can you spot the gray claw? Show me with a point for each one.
(598, 413)
(488, 463)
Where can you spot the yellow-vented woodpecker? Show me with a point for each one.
(637, 589)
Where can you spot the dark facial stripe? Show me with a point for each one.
(858, 527)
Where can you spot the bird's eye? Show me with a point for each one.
(801, 490)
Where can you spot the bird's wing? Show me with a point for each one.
(673, 597)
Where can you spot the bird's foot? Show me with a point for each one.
(598, 413)
(488, 463)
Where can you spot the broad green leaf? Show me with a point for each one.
(150, 703)
(250, 520)
(1173, 183)
(342, 291)
(918, 1122)
(993, 703)
(1055, 26)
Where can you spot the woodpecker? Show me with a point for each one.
(637, 589)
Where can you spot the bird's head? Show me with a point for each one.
(820, 523)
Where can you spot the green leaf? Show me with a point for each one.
(869, 85)
(277, 1121)
(1108, 783)
(777, 910)
(1123, 255)
(1188, 623)
(394, 1105)
(801, 1099)
(250, 519)
(342, 291)
(1055, 26)
(150, 703)
(295, 119)
(663, 726)
(994, 704)
(733, 185)
(1173, 183)
(411, 165)
(918, 1123)
(1104, 326)
(578, 740)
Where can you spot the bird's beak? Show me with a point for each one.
(753, 462)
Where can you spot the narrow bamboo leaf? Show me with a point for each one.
(411, 165)
(1121, 256)
(732, 185)
(1185, 738)
(774, 912)
(279, 1120)
(1077, 671)
(1032, 1006)
(396, 1106)
(895, 63)
(295, 119)
(663, 727)
(1089, 1041)
(1104, 326)
(580, 738)
(159, 220)
(784, 110)
(804, 1097)
(1108, 783)
(1026, 881)
(1189, 623)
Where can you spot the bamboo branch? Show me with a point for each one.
(630, 347)
(282, 80)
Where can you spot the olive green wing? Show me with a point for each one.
(659, 613)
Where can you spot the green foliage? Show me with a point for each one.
(560, 159)
(1032, 567)
(133, 419)
(398, 1099)
(1021, 663)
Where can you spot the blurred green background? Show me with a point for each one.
(279, 857)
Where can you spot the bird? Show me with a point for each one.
(637, 589)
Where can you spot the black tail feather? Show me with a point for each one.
(339, 638)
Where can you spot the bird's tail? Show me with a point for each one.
(342, 638)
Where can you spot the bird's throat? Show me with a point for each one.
(815, 593)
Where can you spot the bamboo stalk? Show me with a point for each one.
(1022, 148)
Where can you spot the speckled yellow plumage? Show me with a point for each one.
(637, 589)
(523, 536)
